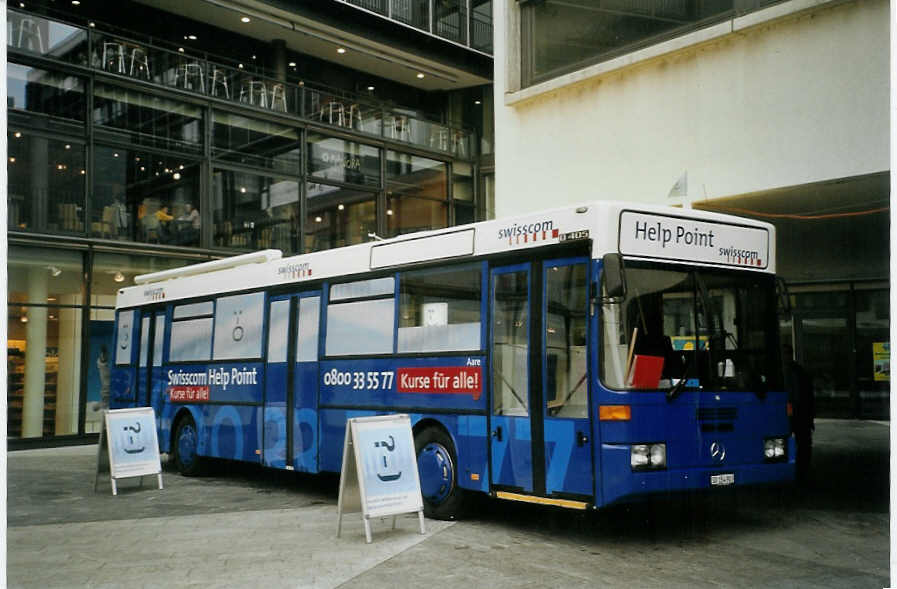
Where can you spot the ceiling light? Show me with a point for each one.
(318, 219)
(142, 168)
(341, 206)
(389, 212)
(119, 277)
(114, 155)
(370, 88)
(76, 2)
(191, 37)
(420, 75)
(245, 19)
(51, 298)
(17, 134)
(54, 271)
(292, 64)
(92, 24)
(181, 49)
(240, 66)
(477, 101)
(12, 160)
(181, 167)
(340, 50)
(24, 318)
(83, 172)
(253, 57)
(177, 176)
(67, 146)
(243, 189)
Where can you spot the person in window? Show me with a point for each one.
(188, 225)
(190, 214)
(164, 217)
(800, 388)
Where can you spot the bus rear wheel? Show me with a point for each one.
(186, 448)
(437, 465)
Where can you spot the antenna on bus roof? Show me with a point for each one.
(224, 264)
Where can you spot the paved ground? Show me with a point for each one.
(246, 526)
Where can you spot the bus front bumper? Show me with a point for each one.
(621, 484)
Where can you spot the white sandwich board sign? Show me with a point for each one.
(379, 475)
(133, 448)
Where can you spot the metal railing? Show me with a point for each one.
(250, 86)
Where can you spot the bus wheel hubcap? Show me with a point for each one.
(436, 473)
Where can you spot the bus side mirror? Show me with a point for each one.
(783, 297)
(614, 276)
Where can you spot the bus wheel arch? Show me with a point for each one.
(185, 444)
(437, 463)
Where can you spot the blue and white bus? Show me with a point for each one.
(580, 357)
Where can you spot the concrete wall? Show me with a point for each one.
(798, 99)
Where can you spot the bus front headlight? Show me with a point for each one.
(648, 456)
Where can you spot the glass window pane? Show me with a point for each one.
(255, 212)
(140, 196)
(46, 183)
(191, 340)
(481, 25)
(44, 276)
(416, 193)
(451, 19)
(278, 326)
(362, 327)
(338, 217)
(510, 344)
(253, 142)
(125, 337)
(563, 35)
(112, 272)
(158, 340)
(439, 310)
(343, 161)
(44, 367)
(193, 310)
(363, 288)
(144, 341)
(148, 120)
(41, 91)
(566, 289)
(31, 33)
(238, 326)
(412, 12)
(873, 359)
(309, 320)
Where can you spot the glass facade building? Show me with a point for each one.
(129, 154)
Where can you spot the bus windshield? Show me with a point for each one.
(680, 328)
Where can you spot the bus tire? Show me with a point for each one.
(185, 447)
(437, 465)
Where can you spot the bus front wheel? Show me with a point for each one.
(437, 465)
(186, 448)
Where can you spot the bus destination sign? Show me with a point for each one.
(693, 240)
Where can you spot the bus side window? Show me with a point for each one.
(361, 326)
(238, 326)
(125, 335)
(191, 333)
(439, 310)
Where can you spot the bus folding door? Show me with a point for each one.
(289, 434)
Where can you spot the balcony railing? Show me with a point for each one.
(193, 72)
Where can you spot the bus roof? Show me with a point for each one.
(683, 236)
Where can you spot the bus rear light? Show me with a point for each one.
(648, 456)
(774, 449)
(615, 413)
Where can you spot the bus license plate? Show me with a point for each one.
(721, 480)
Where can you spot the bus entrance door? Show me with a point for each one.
(150, 384)
(540, 427)
(565, 382)
(289, 435)
(512, 434)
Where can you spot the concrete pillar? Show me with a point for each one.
(69, 378)
(279, 54)
(35, 355)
